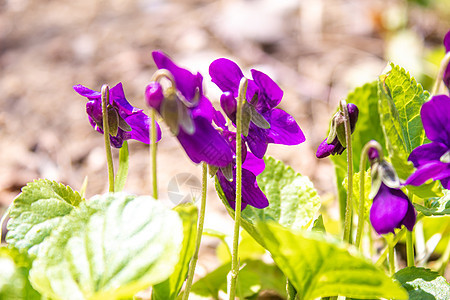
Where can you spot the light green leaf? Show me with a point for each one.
(319, 266)
(367, 128)
(122, 172)
(436, 207)
(254, 277)
(293, 200)
(113, 246)
(400, 101)
(170, 288)
(14, 283)
(356, 191)
(37, 211)
(423, 284)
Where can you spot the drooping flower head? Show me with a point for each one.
(251, 167)
(433, 160)
(332, 145)
(129, 122)
(188, 113)
(447, 70)
(265, 123)
(391, 208)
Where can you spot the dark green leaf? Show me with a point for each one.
(436, 206)
(254, 277)
(423, 284)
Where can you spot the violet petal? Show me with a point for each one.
(436, 119)
(427, 153)
(226, 74)
(270, 93)
(426, 172)
(284, 129)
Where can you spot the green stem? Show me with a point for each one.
(105, 103)
(153, 147)
(397, 237)
(290, 289)
(362, 167)
(4, 217)
(349, 208)
(201, 219)
(237, 211)
(391, 256)
(444, 63)
(409, 248)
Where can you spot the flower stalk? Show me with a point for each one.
(362, 165)
(409, 248)
(105, 103)
(201, 219)
(153, 148)
(348, 140)
(237, 216)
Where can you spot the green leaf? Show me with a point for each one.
(37, 211)
(122, 172)
(293, 200)
(356, 191)
(400, 101)
(254, 277)
(436, 207)
(113, 246)
(319, 266)
(423, 284)
(14, 283)
(367, 128)
(170, 288)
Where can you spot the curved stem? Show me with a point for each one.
(201, 219)
(4, 217)
(348, 140)
(153, 147)
(391, 256)
(444, 63)
(362, 165)
(105, 102)
(237, 209)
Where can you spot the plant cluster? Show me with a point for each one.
(63, 246)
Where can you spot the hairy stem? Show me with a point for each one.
(237, 215)
(153, 147)
(105, 102)
(362, 166)
(409, 248)
(201, 219)
(348, 208)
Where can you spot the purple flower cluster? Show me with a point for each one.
(133, 123)
(189, 115)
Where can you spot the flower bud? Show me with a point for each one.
(154, 95)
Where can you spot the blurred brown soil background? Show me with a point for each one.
(317, 51)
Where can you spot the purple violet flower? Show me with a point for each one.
(391, 209)
(446, 77)
(189, 114)
(268, 124)
(133, 123)
(335, 147)
(251, 167)
(433, 160)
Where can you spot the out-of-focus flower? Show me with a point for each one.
(335, 146)
(391, 208)
(188, 113)
(433, 160)
(265, 123)
(251, 167)
(447, 70)
(125, 121)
